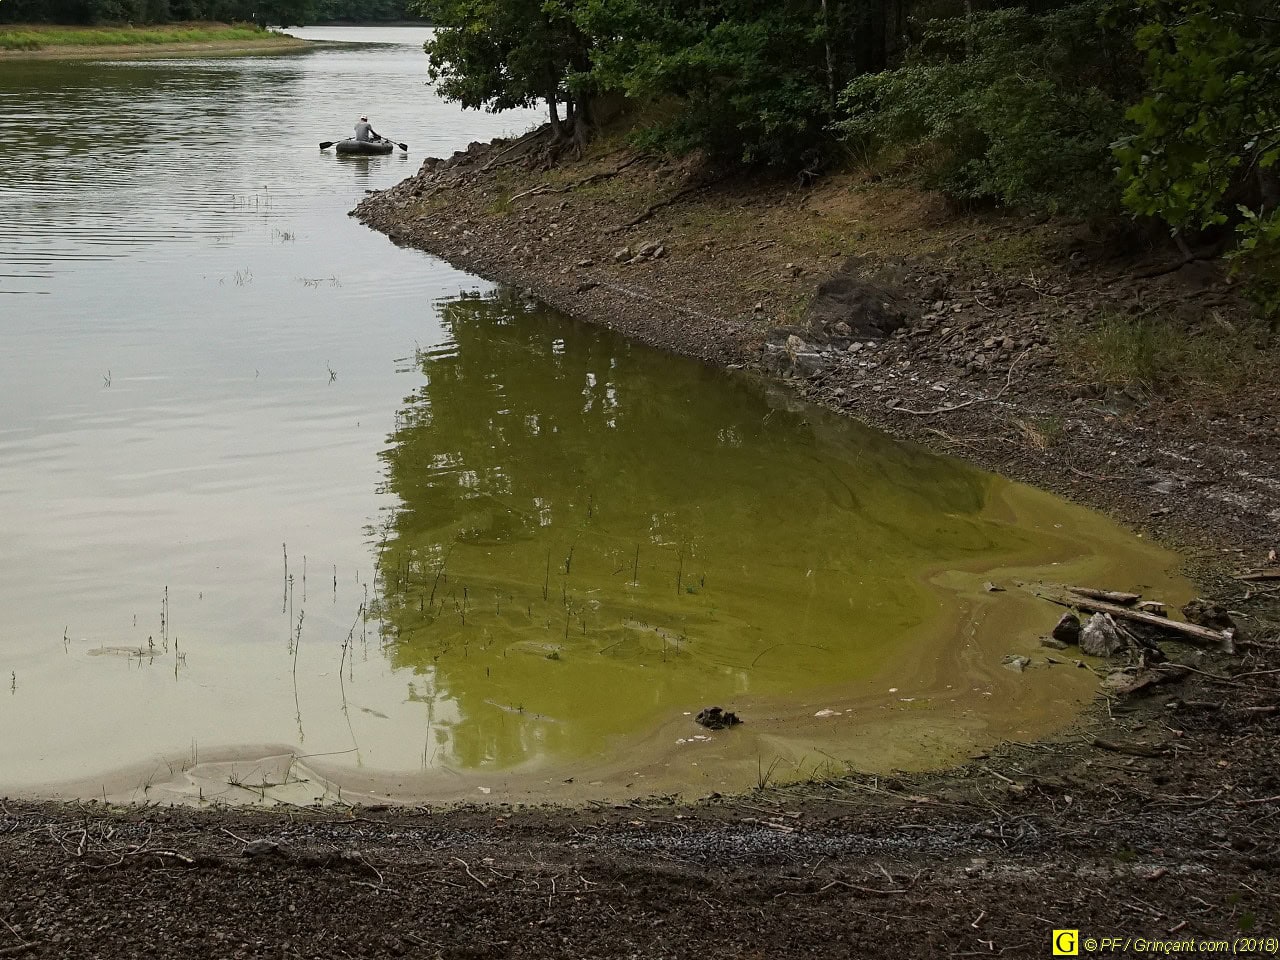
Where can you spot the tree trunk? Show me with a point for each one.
(582, 123)
(553, 109)
(826, 42)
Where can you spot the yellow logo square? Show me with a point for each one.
(1066, 943)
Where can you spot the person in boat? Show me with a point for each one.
(365, 133)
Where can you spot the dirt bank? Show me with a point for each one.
(1157, 816)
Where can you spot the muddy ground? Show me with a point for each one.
(1156, 816)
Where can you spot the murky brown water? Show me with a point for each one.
(287, 506)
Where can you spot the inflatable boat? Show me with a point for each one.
(366, 147)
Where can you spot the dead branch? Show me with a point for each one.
(1107, 596)
(1257, 575)
(655, 207)
(469, 873)
(1129, 749)
(594, 178)
(1197, 636)
(854, 886)
(524, 141)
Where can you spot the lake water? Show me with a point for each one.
(288, 511)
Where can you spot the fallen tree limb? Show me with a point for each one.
(1197, 636)
(521, 142)
(655, 207)
(1128, 749)
(594, 178)
(1107, 596)
(1255, 575)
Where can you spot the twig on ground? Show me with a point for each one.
(469, 873)
(1008, 382)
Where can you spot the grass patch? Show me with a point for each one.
(1040, 433)
(39, 36)
(1159, 356)
(501, 204)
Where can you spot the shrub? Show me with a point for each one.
(1024, 108)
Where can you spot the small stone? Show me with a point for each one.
(1053, 643)
(586, 263)
(1016, 662)
(993, 587)
(263, 848)
(622, 255)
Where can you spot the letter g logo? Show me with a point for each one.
(1066, 943)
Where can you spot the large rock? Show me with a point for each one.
(854, 305)
(1100, 637)
(1068, 629)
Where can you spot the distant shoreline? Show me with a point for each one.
(177, 40)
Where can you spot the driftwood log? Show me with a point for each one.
(1197, 636)
(1107, 596)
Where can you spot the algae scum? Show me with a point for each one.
(593, 539)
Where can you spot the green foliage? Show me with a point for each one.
(501, 54)
(1207, 143)
(1016, 108)
(1257, 258)
(750, 76)
(750, 80)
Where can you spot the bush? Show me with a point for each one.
(1024, 108)
(1207, 143)
(748, 75)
